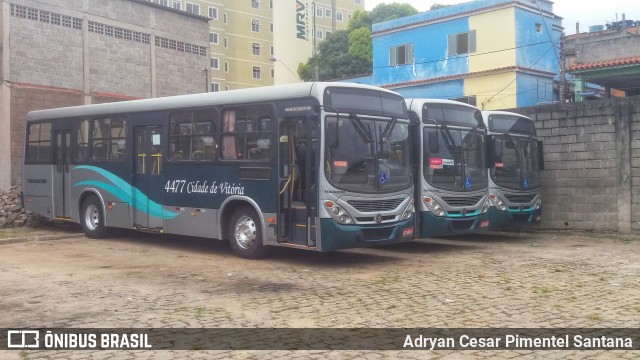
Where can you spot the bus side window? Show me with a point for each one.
(229, 151)
(39, 142)
(82, 143)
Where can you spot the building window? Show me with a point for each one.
(213, 12)
(255, 48)
(471, 100)
(319, 33)
(215, 87)
(192, 135)
(215, 63)
(349, 16)
(256, 72)
(327, 33)
(327, 13)
(226, 42)
(193, 8)
(463, 43)
(225, 18)
(177, 4)
(359, 2)
(339, 16)
(272, 73)
(213, 38)
(255, 25)
(271, 27)
(401, 55)
(271, 50)
(319, 11)
(270, 4)
(163, 2)
(255, 4)
(226, 66)
(538, 27)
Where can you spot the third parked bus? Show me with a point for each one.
(450, 162)
(515, 161)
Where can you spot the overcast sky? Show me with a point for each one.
(587, 12)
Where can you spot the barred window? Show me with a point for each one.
(45, 16)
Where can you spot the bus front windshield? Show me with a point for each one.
(454, 159)
(367, 155)
(517, 162)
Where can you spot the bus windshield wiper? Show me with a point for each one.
(365, 133)
(388, 129)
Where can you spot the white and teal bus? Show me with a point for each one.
(450, 167)
(319, 166)
(515, 161)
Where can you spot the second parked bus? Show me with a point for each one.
(450, 163)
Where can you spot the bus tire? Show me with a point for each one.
(245, 234)
(92, 219)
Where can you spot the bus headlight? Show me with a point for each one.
(338, 213)
(408, 211)
(538, 205)
(497, 202)
(433, 206)
(485, 207)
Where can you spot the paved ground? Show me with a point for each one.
(542, 279)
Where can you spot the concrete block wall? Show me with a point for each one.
(58, 53)
(591, 179)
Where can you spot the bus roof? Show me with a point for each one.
(265, 93)
(523, 125)
(419, 102)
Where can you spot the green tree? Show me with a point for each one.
(437, 6)
(348, 53)
(360, 44)
(333, 61)
(380, 13)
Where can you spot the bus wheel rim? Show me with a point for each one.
(92, 217)
(245, 232)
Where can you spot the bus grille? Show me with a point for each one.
(376, 205)
(462, 201)
(520, 199)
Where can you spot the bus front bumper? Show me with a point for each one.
(431, 225)
(336, 236)
(512, 220)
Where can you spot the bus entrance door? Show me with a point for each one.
(297, 183)
(147, 181)
(61, 181)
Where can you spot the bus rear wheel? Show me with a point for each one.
(92, 219)
(245, 234)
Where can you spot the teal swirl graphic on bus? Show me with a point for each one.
(124, 192)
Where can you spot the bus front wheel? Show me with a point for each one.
(92, 219)
(245, 234)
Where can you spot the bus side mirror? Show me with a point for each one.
(491, 154)
(331, 134)
(413, 117)
(540, 155)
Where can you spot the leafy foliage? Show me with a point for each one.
(348, 53)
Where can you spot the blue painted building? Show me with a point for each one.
(494, 54)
